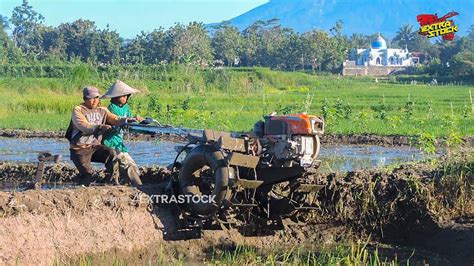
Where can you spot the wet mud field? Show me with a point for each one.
(411, 207)
(162, 153)
(423, 207)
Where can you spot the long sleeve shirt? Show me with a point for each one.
(86, 124)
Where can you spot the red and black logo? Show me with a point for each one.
(432, 26)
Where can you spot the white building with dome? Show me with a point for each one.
(378, 60)
(379, 55)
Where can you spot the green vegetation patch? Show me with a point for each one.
(234, 99)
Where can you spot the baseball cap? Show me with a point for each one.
(90, 92)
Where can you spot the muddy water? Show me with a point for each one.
(26, 150)
(147, 153)
(356, 157)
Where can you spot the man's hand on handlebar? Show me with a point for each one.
(131, 120)
(105, 127)
(134, 119)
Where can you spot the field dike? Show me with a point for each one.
(423, 206)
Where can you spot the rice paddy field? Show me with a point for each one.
(402, 213)
(234, 99)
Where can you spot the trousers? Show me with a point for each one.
(128, 168)
(83, 157)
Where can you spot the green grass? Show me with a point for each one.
(234, 99)
(354, 254)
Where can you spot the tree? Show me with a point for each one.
(289, 53)
(262, 42)
(26, 32)
(316, 45)
(336, 30)
(461, 61)
(8, 52)
(251, 41)
(157, 47)
(470, 33)
(80, 38)
(405, 37)
(226, 43)
(462, 64)
(190, 44)
(358, 41)
(108, 46)
(52, 45)
(337, 50)
(447, 49)
(455, 57)
(133, 51)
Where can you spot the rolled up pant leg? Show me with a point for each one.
(129, 168)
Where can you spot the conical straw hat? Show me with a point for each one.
(119, 88)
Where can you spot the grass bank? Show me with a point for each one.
(351, 254)
(234, 99)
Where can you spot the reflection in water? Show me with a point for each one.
(354, 157)
(147, 153)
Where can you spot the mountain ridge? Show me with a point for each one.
(360, 16)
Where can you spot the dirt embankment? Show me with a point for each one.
(24, 173)
(59, 225)
(42, 226)
(417, 205)
(331, 139)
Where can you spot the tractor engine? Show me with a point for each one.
(289, 139)
(259, 176)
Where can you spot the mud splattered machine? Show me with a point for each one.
(260, 176)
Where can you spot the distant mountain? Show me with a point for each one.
(359, 16)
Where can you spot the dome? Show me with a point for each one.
(379, 43)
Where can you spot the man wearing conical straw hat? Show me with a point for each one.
(119, 95)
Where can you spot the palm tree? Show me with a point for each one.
(358, 40)
(405, 36)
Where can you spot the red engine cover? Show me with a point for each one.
(300, 124)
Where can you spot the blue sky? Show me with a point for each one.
(129, 17)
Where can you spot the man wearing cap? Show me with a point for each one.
(88, 124)
(119, 93)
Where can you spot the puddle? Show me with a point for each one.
(355, 157)
(147, 153)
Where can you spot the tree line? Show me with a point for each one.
(264, 43)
